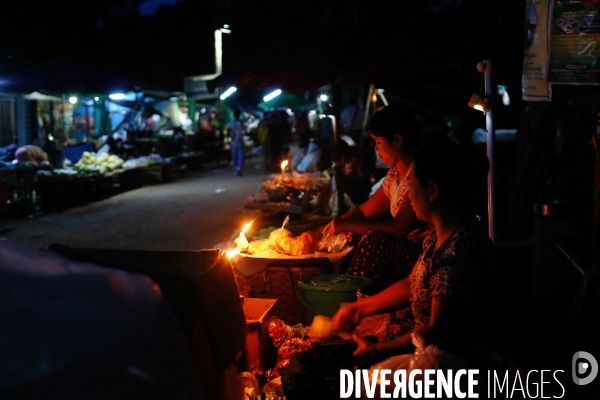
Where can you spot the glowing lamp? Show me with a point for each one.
(481, 103)
(72, 99)
(272, 95)
(228, 93)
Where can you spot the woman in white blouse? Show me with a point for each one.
(388, 233)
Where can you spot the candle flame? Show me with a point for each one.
(284, 164)
(245, 228)
(232, 253)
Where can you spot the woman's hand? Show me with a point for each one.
(364, 352)
(347, 317)
(334, 227)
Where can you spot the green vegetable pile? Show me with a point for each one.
(33, 165)
(94, 164)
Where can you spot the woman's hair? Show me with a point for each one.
(396, 120)
(459, 172)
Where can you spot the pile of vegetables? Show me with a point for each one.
(280, 191)
(32, 164)
(91, 163)
(143, 161)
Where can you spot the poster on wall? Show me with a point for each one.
(534, 84)
(575, 42)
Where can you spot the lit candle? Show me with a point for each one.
(241, 242)
(284, 164)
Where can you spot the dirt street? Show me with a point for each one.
(198, 210)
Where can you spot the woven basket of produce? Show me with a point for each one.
(274, 266)
(278, 279)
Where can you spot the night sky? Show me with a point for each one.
(159, 42)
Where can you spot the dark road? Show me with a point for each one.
(197, 210)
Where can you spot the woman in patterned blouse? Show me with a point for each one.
(446, 290)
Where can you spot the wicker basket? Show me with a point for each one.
(278, 279)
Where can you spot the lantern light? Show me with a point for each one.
(481, 103)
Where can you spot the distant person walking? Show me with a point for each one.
(235, 129)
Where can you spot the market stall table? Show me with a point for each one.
(283, 192)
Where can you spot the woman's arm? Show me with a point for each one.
(362, 219)
(393, 298)
(442, 326)
(376, 205)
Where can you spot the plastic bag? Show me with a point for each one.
(424, 357)
(288, 340)
(431, 357)
(333, 243)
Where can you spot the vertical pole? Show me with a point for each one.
(13, 120)
(64, 117)
(192, 113)
(366, 115)
(87, 120)
(336, 99)
(490, 140)
(596, 213)
(218, 52)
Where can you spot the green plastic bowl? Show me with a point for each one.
(323, 294)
